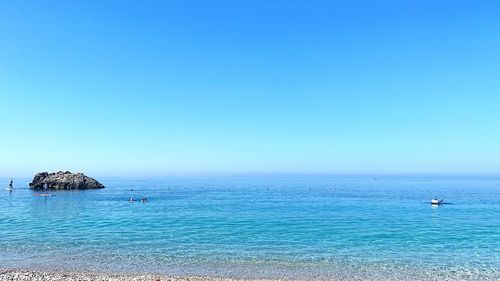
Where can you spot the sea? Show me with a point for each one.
(261, 226)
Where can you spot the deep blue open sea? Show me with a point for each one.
(260, 226)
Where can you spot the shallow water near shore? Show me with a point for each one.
(260, 227)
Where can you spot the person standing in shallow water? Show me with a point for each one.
(11, 184)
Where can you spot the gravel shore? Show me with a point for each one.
(30, 275)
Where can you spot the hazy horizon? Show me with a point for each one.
(415, 176)
(249, 87)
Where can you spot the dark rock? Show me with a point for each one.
(64, 180)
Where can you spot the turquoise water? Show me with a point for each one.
(297, 227)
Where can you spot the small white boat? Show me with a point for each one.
(436, 202)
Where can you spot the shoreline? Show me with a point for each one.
(24, 274)
(13, 274)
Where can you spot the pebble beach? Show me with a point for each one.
(31, 275)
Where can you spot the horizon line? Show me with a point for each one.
(277, 174)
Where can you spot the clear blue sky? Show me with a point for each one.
(167, 87)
